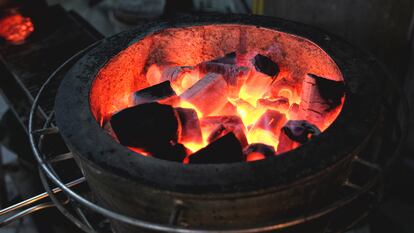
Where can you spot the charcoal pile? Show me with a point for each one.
(219, 111)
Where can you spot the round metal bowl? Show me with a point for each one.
(220, 195)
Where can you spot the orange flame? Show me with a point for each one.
(246, 108)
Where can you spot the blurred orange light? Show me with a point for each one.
(15, 28)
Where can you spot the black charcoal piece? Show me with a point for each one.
(265, 65)
(226, 149)
(154, 93)
(261, 148)
(300, 131)
(169, 152)
(331, 91)
(189, 125)
(146, 126)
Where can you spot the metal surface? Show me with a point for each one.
(46, 169)
(25, 212)
(37, 198)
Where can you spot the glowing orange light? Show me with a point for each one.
(245, 97)
(194, 146)
(284, 92)
(15, 28)
(186, 104)
(255, 156)
(258, 135)
(139, 151)
(153, 74)
(188, 80)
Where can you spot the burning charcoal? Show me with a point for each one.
(280, 104)
(217, 133)
(254, 156)
(271, 120)
(228, 110)
(243, 104)
(174, 73)
(226, 149)
(153, 74)
(227, 67)
(237, 80)
(248, 111)
(300, 131)
(208, 124)
(223, 129)
(213, 121)
(285, 143)
(319, 96)
(229, 58)
(295, 133)
(256, 85)
(172, 100)
(146, 126)
(259, 135)
(169, 152)
(208, 94)
(190, 125)
(293, 111)
(154, 93)
(188, 79)
(265, 65)
(234, 76)
(218, 68)
(180, 77)
(261, 148)
(266, 128)
(331, 91)
(217, 126)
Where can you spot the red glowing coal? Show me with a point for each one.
(214, 94)
(15, 28)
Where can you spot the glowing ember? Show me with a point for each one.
(254, 156)
(255, 100)
(15, 28)
(257, 117)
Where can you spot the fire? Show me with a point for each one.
(193, 146)
(139, 151)
(15, 28)
(247, 112)
(224, 90)
(262, 136)
(254, 156)
(262, 114)
(186, 104)
(246, 105)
